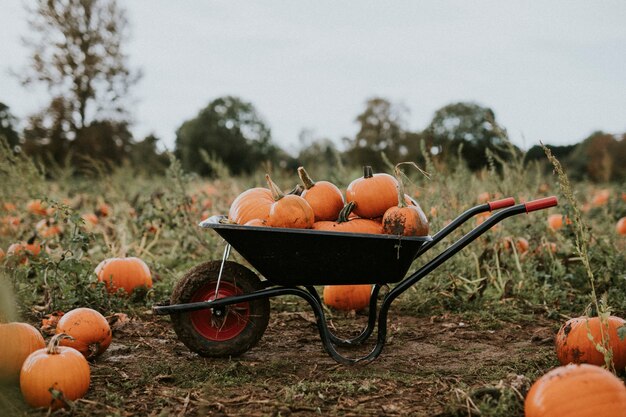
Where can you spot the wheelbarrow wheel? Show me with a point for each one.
(225, 331)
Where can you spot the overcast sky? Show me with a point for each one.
(551, 70)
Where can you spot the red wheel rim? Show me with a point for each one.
(220, 329)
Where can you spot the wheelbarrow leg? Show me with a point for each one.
(371, 320)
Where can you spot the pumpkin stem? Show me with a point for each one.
(345, 212)
(368, 172)
(305, 178)
(297, 190)
(275, 189)
(53, 345)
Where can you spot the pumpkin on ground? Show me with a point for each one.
(576, 391)
(556, 221)
(347, 224)
(126, 273)
(373, 193)
(90, 331)
(52, 375)
(347, 297)
(290, 210)
(573, 344)
(17, 341)
(254, 203)
(620, 227)
(324, 197)
(521, 244)
(404, 219)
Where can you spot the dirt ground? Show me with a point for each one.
(427, 368)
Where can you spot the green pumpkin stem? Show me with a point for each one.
(305, 178)
(53, 345)
(275, 189)
(345, 212)
(368, 172)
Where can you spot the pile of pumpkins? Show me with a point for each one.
(373, 203)
(52, 375)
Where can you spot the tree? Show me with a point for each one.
(600, 157)
(229, 129)
(76, 52)
(381, 129)
(469, 126)
(7, 126)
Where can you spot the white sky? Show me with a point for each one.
(551, 70)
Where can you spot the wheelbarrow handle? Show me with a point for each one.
(541, 204)
(462, 218)
(502, 203)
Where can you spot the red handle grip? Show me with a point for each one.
(498, 204)
(541, 204)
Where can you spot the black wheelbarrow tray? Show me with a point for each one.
(221, 308)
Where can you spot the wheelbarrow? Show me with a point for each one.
(221, 308)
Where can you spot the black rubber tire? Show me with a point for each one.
(241, 277)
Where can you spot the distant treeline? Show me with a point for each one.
(229, 133)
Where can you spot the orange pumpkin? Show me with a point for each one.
(404, 219)
(600, 198)
(291, 211)
(36, 207)
(24, 250)
(347, 297)
(324, 197)
(521, 244)
(90, 218)
(555, 221)
(47, 228)
(17, 341)
(90, 331)
(347, 224)
(620, 227)
(573, 344)
(56, 370)
(254, 203)
(256, 222)
(126, 273)
(373, 193)
(576, 391)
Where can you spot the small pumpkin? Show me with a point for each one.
(347, 297)
(17, 341)
(126, 273)
(90, 331)
(254, 203)
(556, 221)
(521, 244)
(373, 193)
(404, 219)
(347, 224)
(291, 211)
(620, 227)
(324, 197)
(573, 344)
(52, 375)
(36, 207)
(24, 250)
(576, 391)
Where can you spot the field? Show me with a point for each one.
(468, 340)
